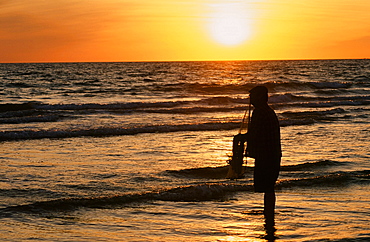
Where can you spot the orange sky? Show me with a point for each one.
(173, 30)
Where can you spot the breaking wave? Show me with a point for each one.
(191, 193)
(221, 171)
(36, 112)
(283, 99)
(101, 132)
(119, 131)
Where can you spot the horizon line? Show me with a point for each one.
(166, 61)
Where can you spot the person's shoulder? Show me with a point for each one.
(265, 109)
(267, 112)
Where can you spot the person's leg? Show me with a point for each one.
(269, 208)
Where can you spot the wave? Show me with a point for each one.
(120, 131)
(101, 132)
(38, 112)
(31, 119)
(285, 99)
(288, 118)
(28, 112)
(242, 86)
(329, 85)
(304, 85)
(17, 107)
(201, 192)
(209, 104)
(221, 171)
(19, 85)
(191, 193)
(53, 113)
(333, 103)
(338, 179)
(312, 165)
(203, 172)
(314, 115)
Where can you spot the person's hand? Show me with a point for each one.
(241, 137)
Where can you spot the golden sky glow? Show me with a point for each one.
(171, 30)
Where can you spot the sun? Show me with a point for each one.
(229, 25)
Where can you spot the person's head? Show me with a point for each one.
(258, 96)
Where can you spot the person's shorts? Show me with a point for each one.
(266, 173)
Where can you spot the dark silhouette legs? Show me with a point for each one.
(269, 212)
(269, 208)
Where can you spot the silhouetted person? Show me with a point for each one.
(263, 144)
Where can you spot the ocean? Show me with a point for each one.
(139, 151)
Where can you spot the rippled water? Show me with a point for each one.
(138, 151)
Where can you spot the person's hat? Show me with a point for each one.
(259, 90)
